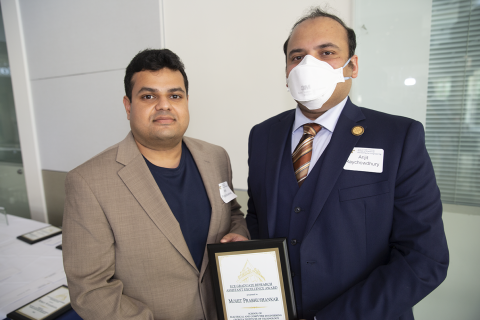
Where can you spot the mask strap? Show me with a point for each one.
(346, 63)
(346, 78)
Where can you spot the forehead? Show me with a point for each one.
(313, 32)
(160, 78)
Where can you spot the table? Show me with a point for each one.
(27, 271)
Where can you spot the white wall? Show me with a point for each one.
(233, 53)
(458, 296)
(393, 40)
(77, 53)
(393, 44)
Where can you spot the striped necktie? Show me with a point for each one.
(303, 152)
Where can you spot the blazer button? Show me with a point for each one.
(298, 209)
(293, 274)
(293, 242)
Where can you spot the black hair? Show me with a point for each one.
(153, 60)
(317, 12)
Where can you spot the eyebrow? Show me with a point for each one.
(295, 51)
(176, 89)
(146, 89)
(327, 45)
(322, 46)
(153, 90)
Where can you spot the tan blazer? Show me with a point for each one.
(124, 253)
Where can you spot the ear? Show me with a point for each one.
(354, 66)
(286, 77)
(127, 104)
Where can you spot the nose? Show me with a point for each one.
(163, 104)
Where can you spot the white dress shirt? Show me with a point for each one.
(328, 121)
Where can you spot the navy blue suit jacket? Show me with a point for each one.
(374, 244)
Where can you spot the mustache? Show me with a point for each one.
(164, 113)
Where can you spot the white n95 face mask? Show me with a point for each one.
(312, 82)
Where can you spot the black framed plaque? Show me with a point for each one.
(252, 280)
(40, 234)
(47, 307)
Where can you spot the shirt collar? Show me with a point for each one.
(328, 120)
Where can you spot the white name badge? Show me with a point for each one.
(226, 193)
(365, 159)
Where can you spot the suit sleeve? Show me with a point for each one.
(238, 224)
(418, 249)
(89, 258)
(252, 218)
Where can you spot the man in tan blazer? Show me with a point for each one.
(134, 230)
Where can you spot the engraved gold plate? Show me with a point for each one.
(358, 130)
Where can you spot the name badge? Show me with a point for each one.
(365, 159)
(226, 193)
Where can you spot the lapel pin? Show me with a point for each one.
(358, 130)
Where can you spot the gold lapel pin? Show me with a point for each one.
(358, 130)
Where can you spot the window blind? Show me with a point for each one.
(453, 100)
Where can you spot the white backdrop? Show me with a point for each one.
(393, 44)
(233, 53)
(77, 53)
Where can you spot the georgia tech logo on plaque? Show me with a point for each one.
(249, 274)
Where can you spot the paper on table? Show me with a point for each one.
(38, 268)
(57, 275)
(31, 287)
(21, 292)
(6, 273)
(15, 262)
(17, 246)
(53, 242)
(4, 238)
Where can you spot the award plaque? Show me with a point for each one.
(47, 307)
(40, 234)
(252, 280)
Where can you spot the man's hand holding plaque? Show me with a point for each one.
(233, 237)
(252, 279)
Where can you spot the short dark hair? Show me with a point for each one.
(153, 60)
(317, 12)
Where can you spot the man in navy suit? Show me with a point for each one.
(357, 201)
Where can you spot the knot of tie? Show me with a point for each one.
(311, 129)
(303, 152)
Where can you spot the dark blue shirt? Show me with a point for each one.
(186, 196)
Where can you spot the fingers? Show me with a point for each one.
(233, 237)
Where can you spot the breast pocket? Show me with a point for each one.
(364, 191)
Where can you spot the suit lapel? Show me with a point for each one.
(211, 179)
(336, 155)
(142, 185)
(275, 147)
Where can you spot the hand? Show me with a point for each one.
(233, 237)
